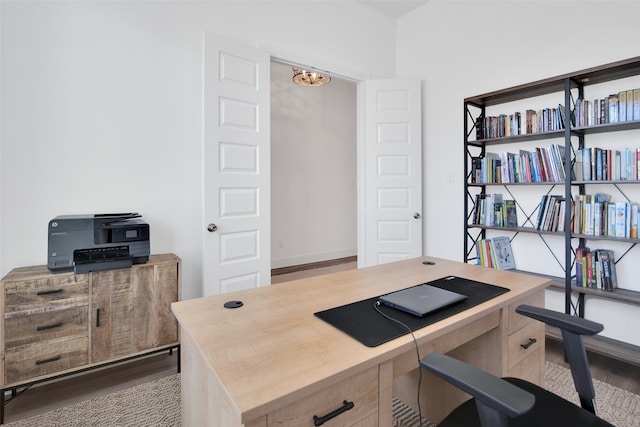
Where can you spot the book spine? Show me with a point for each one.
(633, 231)
(621, 219)
(579, 261)
(613, 108)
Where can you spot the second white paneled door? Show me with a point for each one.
(392, 172)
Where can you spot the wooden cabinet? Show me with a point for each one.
(57, 323)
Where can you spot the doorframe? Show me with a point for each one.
(293, 60)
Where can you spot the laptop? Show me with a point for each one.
(422, 299)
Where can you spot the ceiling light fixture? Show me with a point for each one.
(309, 78)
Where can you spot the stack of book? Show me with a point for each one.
(535, 121)
(551, 213)
(599, 164)
(543, 164)
(595, 215)
(596, 269)
(492, 210)
(495, 253)
(623, 106)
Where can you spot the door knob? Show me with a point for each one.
(416, 215)
(212, 228)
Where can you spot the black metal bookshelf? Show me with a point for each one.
(569, 86)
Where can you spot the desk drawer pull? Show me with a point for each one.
(318, 421)
(45, 327)
(49, 360)
(531, 342)
(49, 292)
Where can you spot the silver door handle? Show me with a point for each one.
(416, 215)
(212, 227)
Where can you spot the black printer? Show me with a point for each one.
(84, 243)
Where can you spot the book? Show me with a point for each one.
(511, 215)
(501, 247)
(633, 230)
(630, 105)
(586, 164)
(622, 106)
(581, 275)
(621, 219)
(636, 104)
(613, 108)
(578, 169)
(613, 282)
(605, 266)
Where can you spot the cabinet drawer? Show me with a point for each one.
(516, 320)
(361, 390)
(51, 291)
(34, 360)
(46, 325)
(524, 338)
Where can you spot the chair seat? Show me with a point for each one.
(563, 414)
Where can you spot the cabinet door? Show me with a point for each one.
(112, 308)
(131, 310)
(155, 324)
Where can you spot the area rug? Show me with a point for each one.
(157, 403)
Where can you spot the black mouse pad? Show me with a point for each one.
(361, 321)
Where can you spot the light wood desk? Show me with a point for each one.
(272, 362)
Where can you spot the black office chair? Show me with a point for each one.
(513, 402)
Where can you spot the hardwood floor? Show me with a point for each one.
(66, 391)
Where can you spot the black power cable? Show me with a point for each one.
(415, 342)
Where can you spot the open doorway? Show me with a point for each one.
(313, 170)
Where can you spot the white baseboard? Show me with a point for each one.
(307, 259)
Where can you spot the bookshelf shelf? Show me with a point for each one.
(517, 229)
(608, 127)
(479, 121)
(518, 138)
(624, 295)
(506, 184)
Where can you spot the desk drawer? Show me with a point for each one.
(361, 390)
(529, 368)
(525, 341)
(39, 327)
(34, 360)
(516, 320)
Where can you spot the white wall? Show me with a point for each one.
(462, 49)
(101, 107)
(313, 170)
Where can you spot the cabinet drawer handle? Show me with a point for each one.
(318, 421)
(51, 359)
(531, 342)
(49, 292)
(45, 327)
(97, 318)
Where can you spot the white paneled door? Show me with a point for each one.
(236, 200)
(393, 172)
